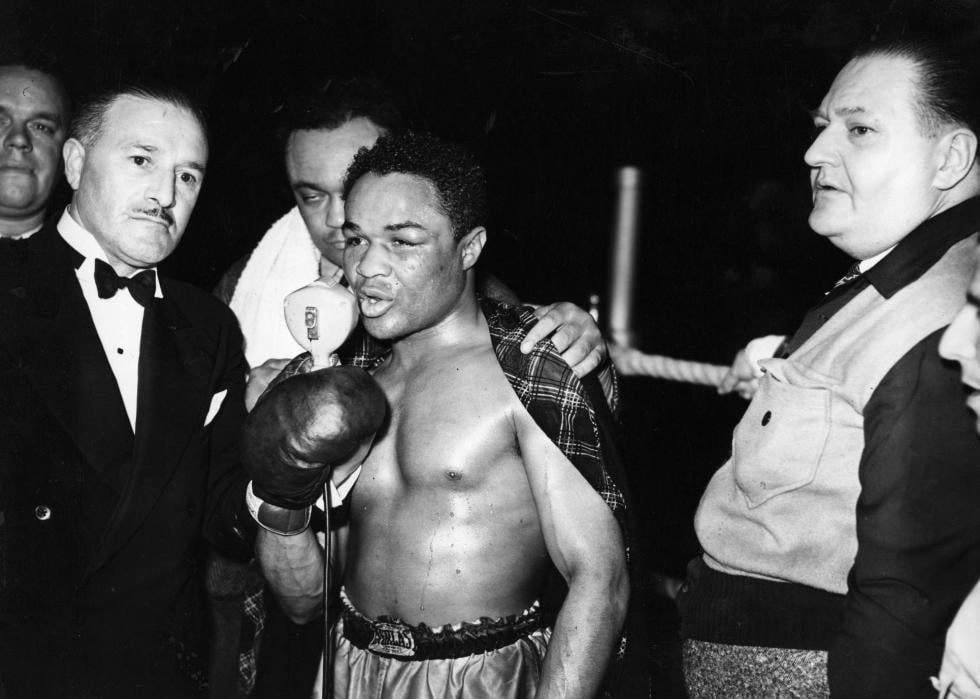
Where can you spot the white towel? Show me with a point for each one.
(283, 261)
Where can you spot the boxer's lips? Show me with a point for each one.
(373, 302)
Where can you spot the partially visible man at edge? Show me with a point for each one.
(34, 113)
(843, 533)
(959, 675)
(464, 501)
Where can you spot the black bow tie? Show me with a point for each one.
(142, 286)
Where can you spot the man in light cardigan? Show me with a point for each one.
(843, 533)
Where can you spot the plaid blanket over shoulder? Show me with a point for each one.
(544, 383)
(553, 395)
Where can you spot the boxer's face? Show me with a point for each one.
(961, 342)
(403, 260)
(32, 130)
(872, 166)
(137, 183)
(316, 164)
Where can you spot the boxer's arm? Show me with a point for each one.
(293, 567)
(586, 546)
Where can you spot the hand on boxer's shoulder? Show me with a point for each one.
(573, 332)
(304, 424)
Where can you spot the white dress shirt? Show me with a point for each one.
(118, 320)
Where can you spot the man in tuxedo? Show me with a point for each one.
(118, 449)
(33, 124)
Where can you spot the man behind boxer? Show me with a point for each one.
(464, 502)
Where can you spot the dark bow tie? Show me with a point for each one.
(142, 286)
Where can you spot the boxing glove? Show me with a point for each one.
(305, 424)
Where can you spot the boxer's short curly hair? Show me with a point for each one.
(452, 170)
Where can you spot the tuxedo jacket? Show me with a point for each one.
(102, 530)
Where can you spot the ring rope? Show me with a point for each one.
(632, 362)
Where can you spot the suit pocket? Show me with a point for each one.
(216, 400)
(779, 442)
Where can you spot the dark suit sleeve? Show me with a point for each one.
(228, 526)
(918, 530)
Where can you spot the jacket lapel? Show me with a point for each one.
(63, 356)
(173, 389)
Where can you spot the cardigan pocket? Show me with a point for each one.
(777, 446)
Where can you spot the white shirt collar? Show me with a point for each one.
(86, 245)
(865, 265)
(80, 239)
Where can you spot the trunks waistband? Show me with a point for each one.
(391, 638)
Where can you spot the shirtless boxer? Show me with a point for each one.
(464, 502)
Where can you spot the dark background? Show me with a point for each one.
(710, 99)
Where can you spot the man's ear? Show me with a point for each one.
(958, 150)
(471, 246)
(74, 154)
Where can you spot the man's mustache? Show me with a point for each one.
(160, 213)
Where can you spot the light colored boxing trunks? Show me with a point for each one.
(487, 659)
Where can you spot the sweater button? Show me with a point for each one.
(766, 418)
(42, 513)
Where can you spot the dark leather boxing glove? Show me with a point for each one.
(302, 426)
